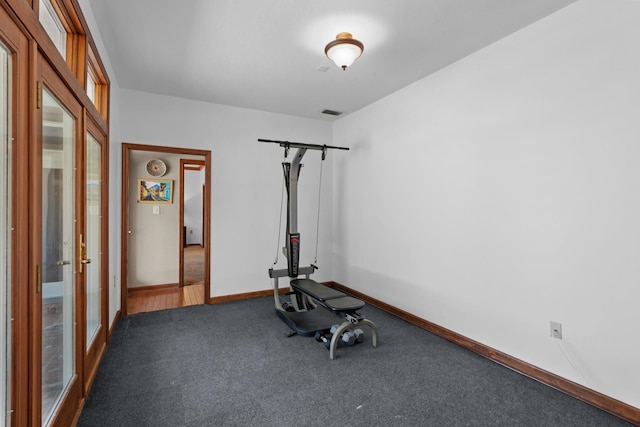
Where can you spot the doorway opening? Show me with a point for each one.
(192, 201)
(153, 236)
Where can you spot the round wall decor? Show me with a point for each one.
(156, 167)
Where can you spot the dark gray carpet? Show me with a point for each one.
(231, 365)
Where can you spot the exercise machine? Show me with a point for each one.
(313, 307)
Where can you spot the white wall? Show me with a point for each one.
(246, 180)
(503, 192)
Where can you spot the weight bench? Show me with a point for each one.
(338, 303)
(329, 298)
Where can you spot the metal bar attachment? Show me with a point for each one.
(290, 144)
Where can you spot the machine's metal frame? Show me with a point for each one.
(291, 175)
(302, 305)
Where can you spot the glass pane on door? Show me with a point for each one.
(58, 250)
(92, 239)
(5, 236)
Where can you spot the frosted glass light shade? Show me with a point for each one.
(344, 50)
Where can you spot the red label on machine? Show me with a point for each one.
(294, 254)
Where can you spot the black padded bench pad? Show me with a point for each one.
(334, 300)
(345, 303)
(315, 290)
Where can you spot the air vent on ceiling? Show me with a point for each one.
(332, 112)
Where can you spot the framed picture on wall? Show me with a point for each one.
(155, 191)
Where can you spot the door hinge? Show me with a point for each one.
(38, 95)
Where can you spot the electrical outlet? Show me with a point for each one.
(555, 330)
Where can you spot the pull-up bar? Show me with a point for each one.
(289, 144)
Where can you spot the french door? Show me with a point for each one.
(53, 228)
(56, 348)
(69, 307)
(93, 250)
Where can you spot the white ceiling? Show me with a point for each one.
(264, 54)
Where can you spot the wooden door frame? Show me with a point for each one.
(127, 148)
(184, 165)
(23, 53)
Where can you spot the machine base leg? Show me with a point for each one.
(347, 325)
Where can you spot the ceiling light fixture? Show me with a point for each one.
(344, 50)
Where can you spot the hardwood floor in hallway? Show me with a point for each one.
(162, 299)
